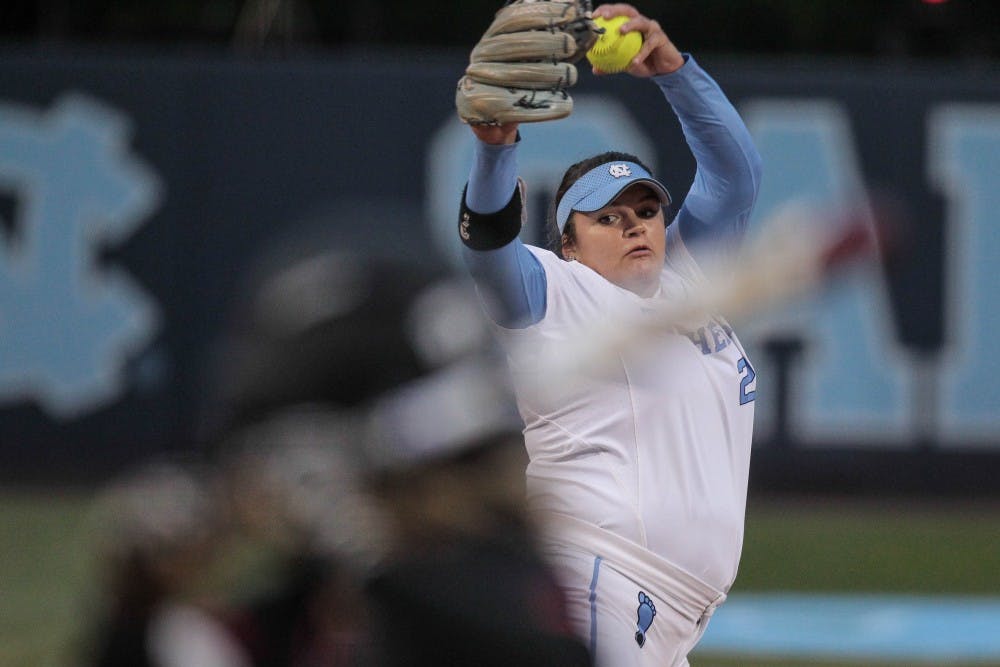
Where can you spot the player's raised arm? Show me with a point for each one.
(728, 175)
(490, 219)
(727, 180)
(519, 72)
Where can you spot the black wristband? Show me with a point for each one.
(489, 231)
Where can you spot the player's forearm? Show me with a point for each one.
(496, 258)
(729, 167)
(492, 178)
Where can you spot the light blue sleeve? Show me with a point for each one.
(511, 275)
(727, 179)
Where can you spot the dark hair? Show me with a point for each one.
(571, 176)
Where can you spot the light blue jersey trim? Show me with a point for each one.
(593, 606)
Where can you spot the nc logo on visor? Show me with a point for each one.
(619, 170)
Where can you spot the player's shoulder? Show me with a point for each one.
(560, 269)
(575, 292)
(544, 255)
(557, 270)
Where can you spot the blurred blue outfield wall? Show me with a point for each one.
(135, 188)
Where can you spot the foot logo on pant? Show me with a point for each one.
(645, 612)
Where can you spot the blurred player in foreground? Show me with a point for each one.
(383, 364)
(294, 501)
(638, 475)
(158, 526)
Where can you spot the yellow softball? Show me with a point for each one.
(614, 51)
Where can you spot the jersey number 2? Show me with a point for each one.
(747, 377)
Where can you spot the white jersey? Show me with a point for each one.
(659, 452)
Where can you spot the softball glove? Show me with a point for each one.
(522, 67)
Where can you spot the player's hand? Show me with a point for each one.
(505, 133)
(658, 54)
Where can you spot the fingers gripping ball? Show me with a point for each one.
(614, 51)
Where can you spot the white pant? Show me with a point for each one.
(632, 607)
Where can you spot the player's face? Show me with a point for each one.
(625, 241)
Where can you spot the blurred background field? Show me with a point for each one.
(806, 545)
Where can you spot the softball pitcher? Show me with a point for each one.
(638, 477)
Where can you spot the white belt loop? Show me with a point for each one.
(710, 609)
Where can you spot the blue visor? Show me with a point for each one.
(602, 184)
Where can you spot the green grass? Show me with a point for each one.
(872, 546)
(885, 546)
(48, 587)
(45, 561)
